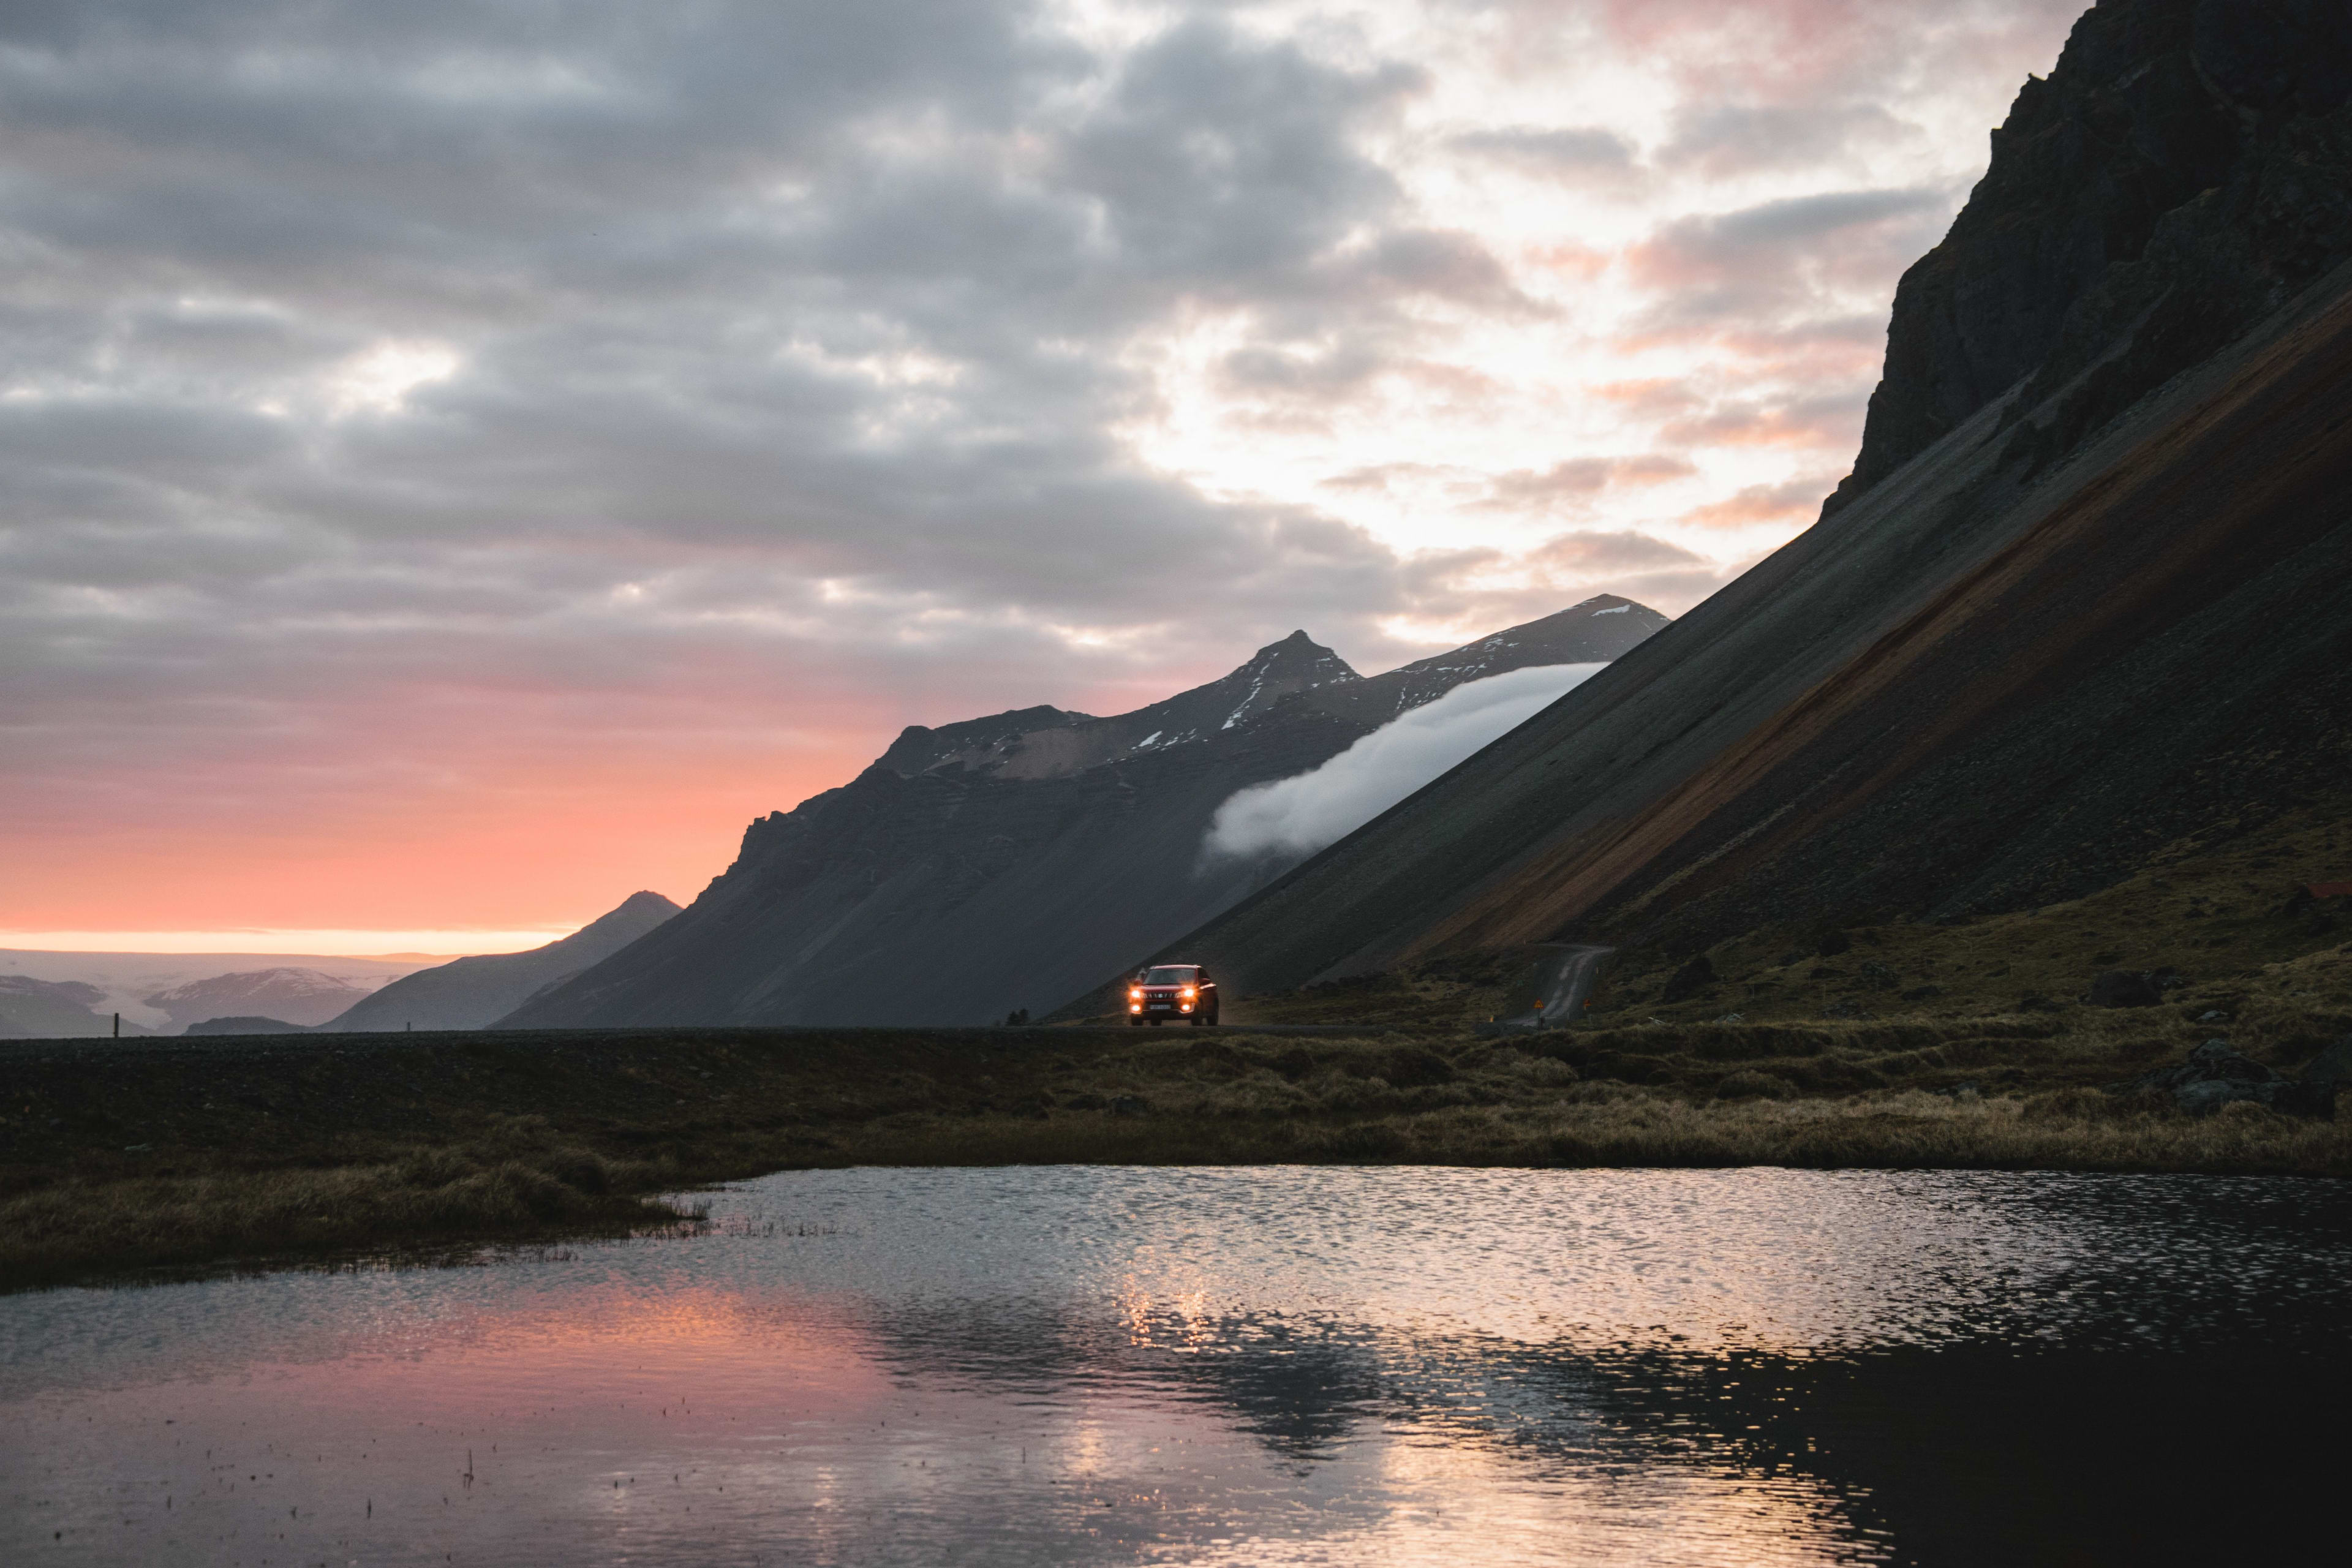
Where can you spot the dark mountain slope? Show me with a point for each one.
(472, 993)
(1999, 671)
(986, 865)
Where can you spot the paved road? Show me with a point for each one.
(1564, 984)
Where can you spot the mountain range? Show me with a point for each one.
(289, 995)
(1000, 863)
(2087, 591)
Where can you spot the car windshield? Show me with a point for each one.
(1169, 974)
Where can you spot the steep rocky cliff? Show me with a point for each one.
(2180, 174)
(2089, 591)
(1000, 863)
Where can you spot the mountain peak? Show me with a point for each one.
(645, 899)
(1296, 654)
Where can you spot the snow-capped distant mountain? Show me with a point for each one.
(289, 996)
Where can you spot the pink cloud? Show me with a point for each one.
(1793, 501)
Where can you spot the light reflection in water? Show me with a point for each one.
(1289, 1365)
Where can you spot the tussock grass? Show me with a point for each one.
(1271, 1101)
(78, 1223)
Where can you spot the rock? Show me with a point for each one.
(2332, 1066)
(1833, 944)
(2216, 1074)
(2218, 1058)
(2205, 1097)
(2124, 988)
(1689, 980)
(2292, 1098)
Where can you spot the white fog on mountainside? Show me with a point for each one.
(1297, 816)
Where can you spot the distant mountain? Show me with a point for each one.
(126, 978)
(1000, 862)
(33, 1009)
(473, 993)
(2087, 595)
(294, 995)
(234, 1026)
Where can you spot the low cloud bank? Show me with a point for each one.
(1300, 815)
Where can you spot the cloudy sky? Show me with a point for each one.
(459, 463)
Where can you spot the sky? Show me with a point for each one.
(459, 464)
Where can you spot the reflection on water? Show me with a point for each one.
(1246, 1366)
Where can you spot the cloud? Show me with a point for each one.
(1831, 420)
(1723, 141)
(1798, 500)
(433, 437)
(1622, 551)
(1563, 152)
(1790, 258)
(1294, 816)
(1578, 479)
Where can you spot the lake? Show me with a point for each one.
(1276, 1366)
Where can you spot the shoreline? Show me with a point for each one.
(273, 1150)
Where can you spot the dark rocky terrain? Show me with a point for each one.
(472, 993)
(1003, 863)
(2089, 594)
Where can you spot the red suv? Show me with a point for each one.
(1172, 990)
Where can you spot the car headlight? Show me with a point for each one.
(1189, 993)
